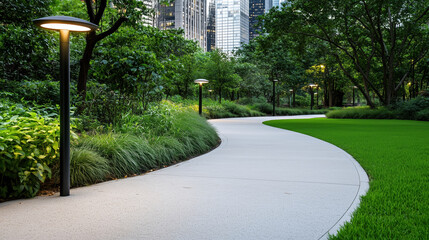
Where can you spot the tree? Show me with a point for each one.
(122, 11)
(220, 71)
(365, 37)
(26, 52)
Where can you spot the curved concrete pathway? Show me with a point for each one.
(261, 183)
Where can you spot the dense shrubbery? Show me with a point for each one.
(28, 146)
(415, 109)
(254, 107)
(164, 134)
(40, 92)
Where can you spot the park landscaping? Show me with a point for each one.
(394, 153)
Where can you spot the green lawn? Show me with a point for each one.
(395, 154)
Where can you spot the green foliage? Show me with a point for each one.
(29, 145)
(86, 167)
(39, 92)
(25, 50)
(362, 113)
(167, 133)
(395, 155)
(415, 109)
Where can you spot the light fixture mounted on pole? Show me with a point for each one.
(201, 82)
(274, 96)
(65, 25)
(354, 87)
(290, 97)
(312, 85)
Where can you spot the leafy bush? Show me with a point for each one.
(166, 134)
(40, 92)
(415, 109)
(29, 145)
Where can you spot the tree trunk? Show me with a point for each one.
(84, 67)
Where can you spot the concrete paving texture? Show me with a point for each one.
(260, 183)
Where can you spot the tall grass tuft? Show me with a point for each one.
(166, 134)
(87, 167)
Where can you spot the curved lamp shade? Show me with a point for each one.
(65, 23)
(201, 81)
(312, 85)
(275, 80)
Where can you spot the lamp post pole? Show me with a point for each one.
(317, 97)
(200, 106)
(312, 94)
(200, 95)
(64, 25)
(354, 96)
(290, 97)
(274, 96)
(64, 112)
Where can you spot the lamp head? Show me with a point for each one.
(65, 23)
(312, 85)
(275, 80)
(201, 81)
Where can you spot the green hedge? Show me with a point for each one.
(415, 109)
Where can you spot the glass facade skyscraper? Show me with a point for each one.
(257, 8)
(232, 24)
(189, 15)
(211, 26)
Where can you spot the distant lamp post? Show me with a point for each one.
(65, 25)
(274, 96)
(210, 92)
(201, 82)
(354, 87)
(312, 85)
(317, 98)
(290, 97)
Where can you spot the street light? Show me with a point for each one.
(201, 82)
(312, 85)
(65, 25)
(354, 87)
(290, 97)
(274, 96)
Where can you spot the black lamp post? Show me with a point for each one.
(65, 25)
(274, 96)
(290, 97)
(200, 105)
(354, 87)
(312, 94)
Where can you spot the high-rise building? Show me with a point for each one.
(211, 26)
(278, 3)
(189, 15)
(256, 9)
(232, 24)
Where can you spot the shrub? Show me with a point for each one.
(40, 92)
(166, 134)
(29, 145)
(415, 109)
(87, 167)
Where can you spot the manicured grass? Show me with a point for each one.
(395, 154)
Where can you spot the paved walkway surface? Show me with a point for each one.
(260, 183)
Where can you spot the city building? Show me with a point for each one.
(232, 24)
(211, 26)
(189, 15)
(256, 9)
